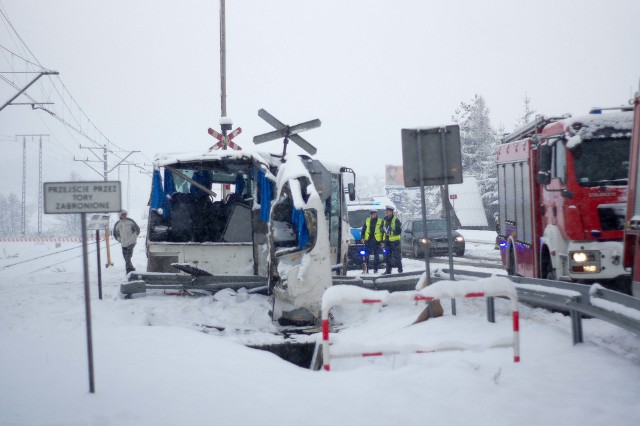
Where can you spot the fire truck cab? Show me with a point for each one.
(632, 226)
(562, 195)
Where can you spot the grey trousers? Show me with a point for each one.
(127, 252)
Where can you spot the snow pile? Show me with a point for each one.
(161, 360)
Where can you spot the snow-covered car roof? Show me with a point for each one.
(365, 205)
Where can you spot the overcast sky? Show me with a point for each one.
(147, 72)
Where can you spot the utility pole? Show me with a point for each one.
(105, 172)
(24, 181)
(223, 64)
(128, 180)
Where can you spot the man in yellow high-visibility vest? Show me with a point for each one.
(371, 238)
(391, 240)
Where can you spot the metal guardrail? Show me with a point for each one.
(579, 300)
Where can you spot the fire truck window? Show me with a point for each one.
(560, 162)
(593, 168)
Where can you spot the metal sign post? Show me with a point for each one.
(432, 156)
(98, 222)
(425, 230)
(83, 198)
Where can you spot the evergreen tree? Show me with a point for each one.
(479, 142)
(528, 114)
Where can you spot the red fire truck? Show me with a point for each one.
(562, 195)
(632, 227)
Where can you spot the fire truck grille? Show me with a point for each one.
(612, 216)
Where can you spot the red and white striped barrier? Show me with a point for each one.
(53, 239)
(45, 240)
(490, 287)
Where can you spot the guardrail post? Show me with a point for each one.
(576, 326)
(491, 309)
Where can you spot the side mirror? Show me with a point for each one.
(351, 189)
(543, 175)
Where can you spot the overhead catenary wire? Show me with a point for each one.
(73, 122)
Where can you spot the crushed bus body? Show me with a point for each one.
(233, 219)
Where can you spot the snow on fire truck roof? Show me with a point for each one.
(590, 126)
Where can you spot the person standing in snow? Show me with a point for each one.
(391, 240)
(371, 237)
(126, 231)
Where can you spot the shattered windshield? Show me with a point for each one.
(236, 175)
(602, 161)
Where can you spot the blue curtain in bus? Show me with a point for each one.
(169, 188)
(204, 178)
(298, 220)
(265, 196)
(157, 193)
(239, 185)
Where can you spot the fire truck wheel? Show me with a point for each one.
(511, 268)
(548, 272)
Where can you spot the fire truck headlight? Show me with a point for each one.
(580, 256)
(585, 261)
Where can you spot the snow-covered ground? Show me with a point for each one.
(157, 363)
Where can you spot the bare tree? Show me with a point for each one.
(10, 215)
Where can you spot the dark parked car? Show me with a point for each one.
(413, 242)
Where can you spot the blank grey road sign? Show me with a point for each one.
(82, 197)
(424, 147)
(290, 132)
(97, 221)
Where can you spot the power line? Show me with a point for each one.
(26, 60)
(78, 125)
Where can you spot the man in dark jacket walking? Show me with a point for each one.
(371, 238)
(391, 240)
(126, 231)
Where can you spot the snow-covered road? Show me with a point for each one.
(155, 365)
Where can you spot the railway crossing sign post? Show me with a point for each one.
(224, 141)
(99, 222)
(82, 198)
(289, 133)
(432, 156)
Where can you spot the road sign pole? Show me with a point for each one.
(447, 211)
(99, 266)
(424, 210)
(87, 300)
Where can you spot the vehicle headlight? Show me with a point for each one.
(424, 240)
(582, 256)
(585, 261)
(460, 238)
